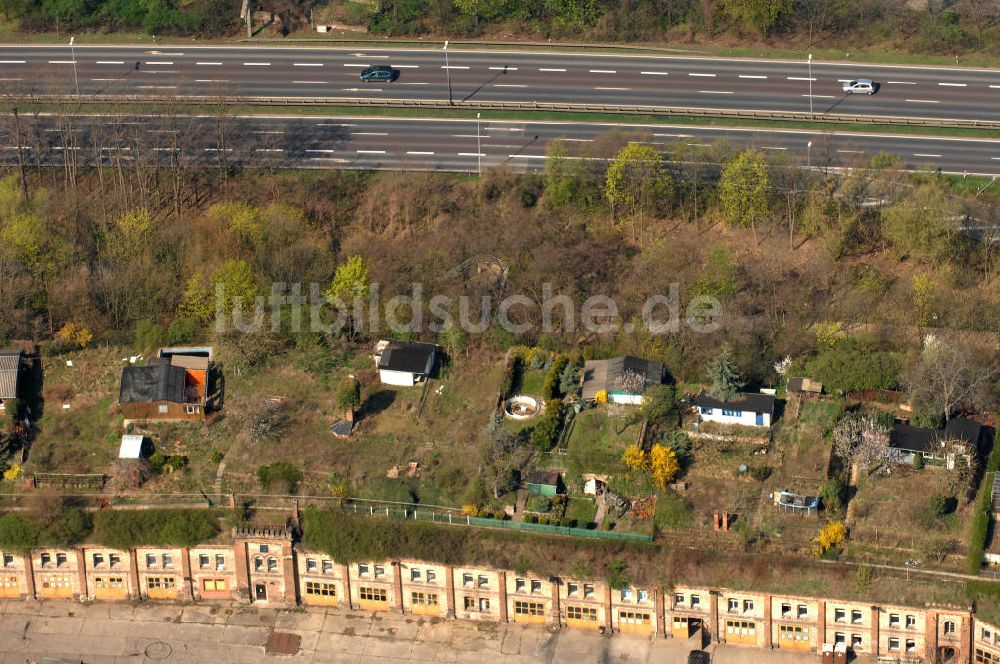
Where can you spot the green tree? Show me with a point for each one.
(236, 283)
(349, 394)
(724, 377)
(68, 528)
(18, 533)
(758, 15)
(453, 338)
(486, 9)
(923, 224)
(349, 281)
(562, 181)
(637, 183)
(659, 404)
(196, 302)
(743, 190)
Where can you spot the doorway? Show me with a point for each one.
(260, 592)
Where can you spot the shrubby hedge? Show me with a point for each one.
(124, 529)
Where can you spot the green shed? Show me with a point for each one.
(544, 483)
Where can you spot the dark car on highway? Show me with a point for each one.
(379, 73)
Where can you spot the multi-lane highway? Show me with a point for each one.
(445, 145)
(490, 76)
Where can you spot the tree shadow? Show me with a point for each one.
(376, 403)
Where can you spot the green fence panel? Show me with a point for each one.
(559, 530)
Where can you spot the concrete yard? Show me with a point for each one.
(106, 633)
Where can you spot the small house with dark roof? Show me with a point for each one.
(961, 437)
(10, 370)
(405, 364)
(613, 376)
(747, 409)
(172, 386)
(546, 483)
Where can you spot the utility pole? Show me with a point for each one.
(479, 146)
(447, 71)
(809, 151)
(810, 86)
(72, 51)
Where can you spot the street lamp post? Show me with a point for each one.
(810, 86)
(447, 71)
(809, 150)
(479, 146)
(72, 51)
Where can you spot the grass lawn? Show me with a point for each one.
(531, 382)
(596, 443)
(581, 510)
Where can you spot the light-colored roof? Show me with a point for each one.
(192, 362)
(131, 447)
(10, 361)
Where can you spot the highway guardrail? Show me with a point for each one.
(623, 109)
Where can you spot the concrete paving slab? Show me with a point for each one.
(240, 634)
(55, 625)
(300, 620)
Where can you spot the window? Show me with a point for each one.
(786, 610)
(678, 599)
(894, 644)
(643, 595)
(747, 605)
(793, 633)
(379, 571)
(484, 604)
(362, 569)
(572, 589)
(150, 560)
(213, 585)
(258, 564)
(98, 559)
(424, 599)
(114, 559)
(695, 601)
(272, 564)
(536, 586)
(733, 605)
(840, 637)
(8, 560)
(162, 409)
(627, 595)
(801, 611)
(986, 657)
(161, 583)
(634, 618)
(415, 574)
(581, 613)
(911, 645)
(911, 622)
(467, 581)
(192, 410)
(310, 564)
(432, 576)
(855, 617)
(46, 559)
(518, 584)
(529, 608)
(856, 641)
(220, 561)
(483, 581)
(949, 627)
(327, 567)
(109, 582)
(263, 548)
(60, 559)
(732, 413)
(373, 594)
(469, 603)
(318, 589)
(840, 615)
(203, 561)
(168, 560)
(705, 410)
(893, 620)
(986, 632)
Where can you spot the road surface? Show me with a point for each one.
(468, 76)
(435, 144)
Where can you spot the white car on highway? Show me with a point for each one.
(861, 86)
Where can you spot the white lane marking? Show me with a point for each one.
(612, 88)
(310, 82)
(901, 82)
(218, 150)
(371, 151)
(362, 89)
(369, 133)
(322, 151)
(851, 151)
(655, 73)
(527, 156)
(157, 87)
(995, 86)
(454, 67)
(923, 154)
(209, 64)
(509, 85)
(110, 62)
(335, 124)
(953, 85)
(307, 64)
(550, 69)
(256, 64)
(715, 92)
(407, 66)
(752, 76)
(707, 75)
(844, 80)
(165, 149)
(820, 96)
(268, 132)
(11, 79)
(766, 147)
(469, 136)
(211, 80)
(923, 101)
(61, 62)
(502, 69)
(994, 158)
(354, 65)
(15, 62)
(471, 154)
(578, 140)
(159, 64)
(161, 71)
(699, 145)
(419, 153)
(411, 83)
(106, 79)
(603, 71)
(805, 78)
(268, 150)
(673, 135)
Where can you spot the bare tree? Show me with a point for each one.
(501, 455)
(629, 382)
(949, 375)
(862, 441)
